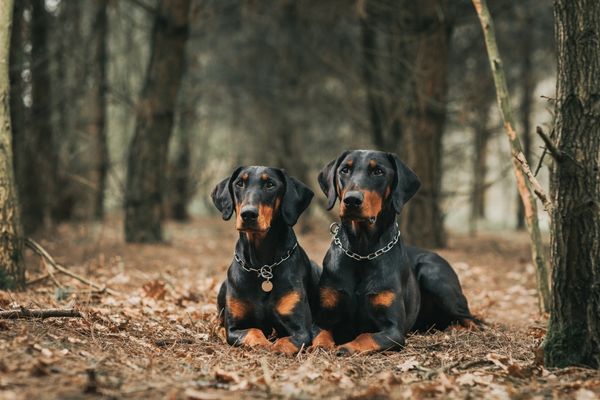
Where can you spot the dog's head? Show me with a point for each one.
(260, 195)
(367, 182)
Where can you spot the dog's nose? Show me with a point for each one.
(353, 198)
(249, 213)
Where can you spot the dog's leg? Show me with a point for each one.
(237, 319)
(293, 313)
(331, 303)
(388, 312)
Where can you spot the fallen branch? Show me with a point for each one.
(33, 245)
(37, 280)
(170, 342)
(537, 188)
(46, 313)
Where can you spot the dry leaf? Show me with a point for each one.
(225, 376)
(407, 365)
(155, 290)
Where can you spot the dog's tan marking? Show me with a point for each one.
(383, 299)
(284, 345)
(329, 297)
(255, 337)
(363, 343)
(237, 308)
(286, 304)
(324, 340)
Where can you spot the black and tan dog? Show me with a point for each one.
(374, 289)
(271, 282)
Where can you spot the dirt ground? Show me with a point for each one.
(158, 337)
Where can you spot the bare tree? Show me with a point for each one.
(12, 268)
(94, 115)
(574, 328)
(423, 221)
(154, 122)
(38, 194)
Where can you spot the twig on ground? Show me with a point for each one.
(44, 313)
(33, 245)
(51, 274)
(537, 188)
(38, 280)
(169, 342)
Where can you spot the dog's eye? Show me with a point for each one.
(377, 171)
(239, 183)
(269, 184)
(345, 170)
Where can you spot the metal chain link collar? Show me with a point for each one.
(334, 229)
(266, 271)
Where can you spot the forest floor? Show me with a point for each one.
(158, 336)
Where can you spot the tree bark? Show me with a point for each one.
(423, 221)
(385, 68)
(40, 166)
(95, 115)
(527, 86)
(574, 329)
(181, 181)
(149, 147)
(481, 133)
(18, 111)
(520, 169)
(12, 268)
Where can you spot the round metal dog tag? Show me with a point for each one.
(267, 286)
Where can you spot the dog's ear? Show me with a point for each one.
(328, 181)
(222, 195)
(405, 185)
(296, 199)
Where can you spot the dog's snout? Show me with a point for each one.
(249, 213)
(353, 198)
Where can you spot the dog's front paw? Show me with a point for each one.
(284, 346)
(323, 340)
(255, 338)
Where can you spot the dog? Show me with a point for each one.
(374, 289)
(271, 283)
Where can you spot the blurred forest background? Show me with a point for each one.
(284, 83)
(126, 113)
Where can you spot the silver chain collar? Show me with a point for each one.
(334, 229)
(266, 271)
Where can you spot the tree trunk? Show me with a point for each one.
(149, 147)
(181, 180)
(423, 219)
(482, 135)
(574, 328)
(95, 115)
(40, 166)
(527, 87)
(72, 60)
(384, 69)
(18, 111)
(12, 268)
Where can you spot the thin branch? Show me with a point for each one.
(47, 313)
(537, 188)
(51, 274)
(540, 162)
(554, 152)
(33, 245)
